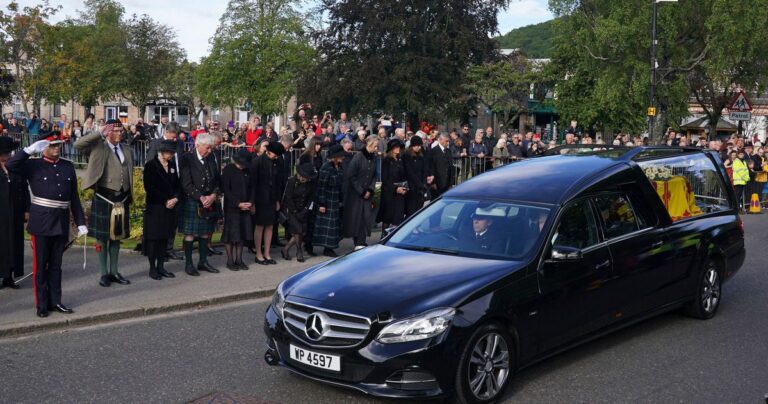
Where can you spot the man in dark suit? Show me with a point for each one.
(484, 237)
(441, 172)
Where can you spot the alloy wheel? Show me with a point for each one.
(488, 366)
(710, 294)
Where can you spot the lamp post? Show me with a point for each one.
(654, 67)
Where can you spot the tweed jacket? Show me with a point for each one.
(103, 162)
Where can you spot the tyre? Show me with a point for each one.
(486, 366)
(708, 293)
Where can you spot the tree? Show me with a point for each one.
(707, 50)
(182, 86)
(503, 85)
(20, 38)
(257, 55)
(152, 55)
(399, 56)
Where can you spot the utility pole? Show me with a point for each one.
(654, 65)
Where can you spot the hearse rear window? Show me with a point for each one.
(688, 185)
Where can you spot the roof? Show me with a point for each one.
(538, 180)
(702, 122)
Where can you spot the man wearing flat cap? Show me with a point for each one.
(53, 195)
(110, 174)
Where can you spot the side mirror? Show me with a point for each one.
(562, 253)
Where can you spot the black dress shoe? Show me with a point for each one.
(164, 273)
(285, 254)
(204, 266)
(156, 276)
(117, 278)
(242, 266)
(330, 253)
(8, 283)
(271, 262)
(105, 281)
(191, 271)
(214, 251)
(262, 262)
(42, 313)
(63, 309)
(233, 267)
(174, 255)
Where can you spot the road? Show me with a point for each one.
(217, 353)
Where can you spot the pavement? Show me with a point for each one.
(94, 304)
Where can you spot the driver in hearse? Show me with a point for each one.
(484, 236)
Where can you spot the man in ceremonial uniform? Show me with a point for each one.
(110, 174)
(53, 195)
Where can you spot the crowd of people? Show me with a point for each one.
(299, 188)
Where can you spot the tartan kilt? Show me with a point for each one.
(98, 219)
(191, 223)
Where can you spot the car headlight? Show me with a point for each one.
(278, 301)
(423, 326)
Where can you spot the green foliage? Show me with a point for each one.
(533, 40)
(138, 205)
(399, 56)
(707, 49)
(503, 85)
(258, 54)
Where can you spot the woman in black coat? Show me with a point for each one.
(299, 194)
(162, 185)
(238, 230)
(394, 188)
(415, 168)
(265, 199)
(311, 155)
(358, 194)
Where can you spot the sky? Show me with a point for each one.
(195, 21)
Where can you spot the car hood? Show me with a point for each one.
(401, 282)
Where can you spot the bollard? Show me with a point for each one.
(754, 204)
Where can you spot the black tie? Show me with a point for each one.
(118, 155)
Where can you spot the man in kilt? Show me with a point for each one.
(200, 209)
(110, 174)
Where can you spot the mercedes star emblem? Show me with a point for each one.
(315, 326)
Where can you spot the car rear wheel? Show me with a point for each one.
(486, 366)
(708, 293)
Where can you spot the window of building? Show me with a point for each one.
(110, 113)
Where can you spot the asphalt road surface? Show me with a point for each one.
(215, 355)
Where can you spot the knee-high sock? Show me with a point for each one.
(114, 255)
(103, 256)
(188, 252)
(202, 245)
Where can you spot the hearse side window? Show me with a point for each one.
(618, 216)
(577, 228)
(688, 185)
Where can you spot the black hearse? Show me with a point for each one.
(511, 267)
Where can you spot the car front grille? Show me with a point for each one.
(340, 330)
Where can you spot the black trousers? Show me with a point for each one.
(18, 241)
(47, 252)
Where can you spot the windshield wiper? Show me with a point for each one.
(429, 249)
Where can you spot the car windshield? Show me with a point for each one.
(483, 229)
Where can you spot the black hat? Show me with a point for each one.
(242, 157)
(336, 151)
(276, 147)
(307, 170)
(168, 146)
(394, 143)
(113, 122)
(417, 141)
(7, 144)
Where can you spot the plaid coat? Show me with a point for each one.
(328, 225)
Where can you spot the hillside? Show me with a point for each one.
(534, 40)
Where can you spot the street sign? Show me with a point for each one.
(740, 115)
(651, 111)
(740, 103)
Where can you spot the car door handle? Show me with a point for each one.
(604, 265)
(657, 244)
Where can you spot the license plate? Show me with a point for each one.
(316, 359)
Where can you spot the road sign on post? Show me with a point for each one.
(740, 109)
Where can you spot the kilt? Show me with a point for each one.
(191, 223)
(99, 217)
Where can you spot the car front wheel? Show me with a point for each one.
(486, 365)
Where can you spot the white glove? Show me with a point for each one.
(37, 147)
(82, 231)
